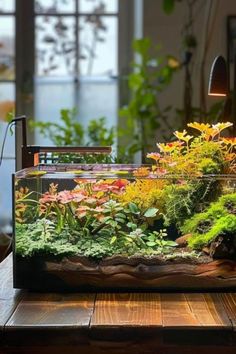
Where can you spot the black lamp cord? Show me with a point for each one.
(12, 122)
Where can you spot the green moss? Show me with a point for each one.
(224, 225)
(183, 200)
(219, 219)
(209, 150)
(208, 166)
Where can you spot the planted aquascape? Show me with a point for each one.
(179, 211)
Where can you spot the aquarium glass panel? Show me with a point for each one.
(170, 224)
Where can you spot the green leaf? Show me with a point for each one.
(113, 240)
(168, 6)
(135, 81)
(151, 238)
(151, 243)
(107, 218)
(121, 215)
(170, 243)
(113, 223)
(151, 212)
(142, 46)
(133, 208)
(122, 221)
(132, 225)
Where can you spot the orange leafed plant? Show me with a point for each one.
(206, 152)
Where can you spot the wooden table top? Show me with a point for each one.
(114, 322)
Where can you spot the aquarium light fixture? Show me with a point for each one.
(30, 154)
(219, 85)
(218, 82)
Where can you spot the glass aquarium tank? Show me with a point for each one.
(167, 225)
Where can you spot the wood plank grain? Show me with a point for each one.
(52, 311)
(229, 303)
(176, 311)
(127, 310)
(9, 297)
(208, 310)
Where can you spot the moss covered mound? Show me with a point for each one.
(219, 219)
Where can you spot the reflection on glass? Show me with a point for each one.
(7, 53)
(7, 98)
(54, 6)
(98, 6)
(98, 45)
(55, 45)
(7, 6)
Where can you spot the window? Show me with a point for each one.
(69, 53)
(76, 59)
(7, 103)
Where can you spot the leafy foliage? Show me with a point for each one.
(69, 132)
(105, 217)
(157, 240)
(218, 219)
(143, 114)
(206, 153)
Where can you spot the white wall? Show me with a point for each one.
(166, 29)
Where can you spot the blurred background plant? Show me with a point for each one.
(69, 132)
(143, 115)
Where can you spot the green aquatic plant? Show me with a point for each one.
(218, 220)
(189, 160)
(42, 238)
(158, 241)
(145, 193)
(117, 216)
(99, 227)
(25, 205)
(87, 215)
(184, 199)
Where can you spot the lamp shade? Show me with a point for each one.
(218, 82)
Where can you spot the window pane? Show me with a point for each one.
(98, 45)
(7, 99)
(7, 6)
(65, 94)
(98, 6)
(54, 6)
(103, 96)
(7, 52)
(51, 95)
(55, 45)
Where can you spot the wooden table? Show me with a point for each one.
(174, 323)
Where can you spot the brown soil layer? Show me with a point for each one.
(135, 272)
(140, 272)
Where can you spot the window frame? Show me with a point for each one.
(25, 63)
